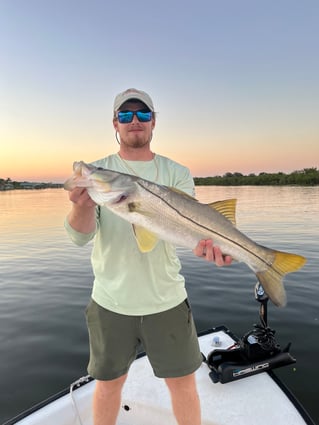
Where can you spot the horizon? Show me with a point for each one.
(39, 180)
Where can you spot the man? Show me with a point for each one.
(138, 297)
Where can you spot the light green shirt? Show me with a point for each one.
(126, 280)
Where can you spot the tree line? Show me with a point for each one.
(305, 177)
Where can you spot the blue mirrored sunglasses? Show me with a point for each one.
(125, 117)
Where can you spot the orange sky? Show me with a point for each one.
(53, 162)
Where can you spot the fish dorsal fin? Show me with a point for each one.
(145, 239)
(227, 208)
(181, 192)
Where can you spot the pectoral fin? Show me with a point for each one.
(145, 239)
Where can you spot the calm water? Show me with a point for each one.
(45, 284)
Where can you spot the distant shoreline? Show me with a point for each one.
(6, 185)
(305, 177)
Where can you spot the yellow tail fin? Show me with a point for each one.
(271, 278)
(287, 263)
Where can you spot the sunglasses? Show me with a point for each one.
(125, 117)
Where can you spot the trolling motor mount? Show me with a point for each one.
(257, 351)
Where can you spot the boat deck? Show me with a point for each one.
(253, 400)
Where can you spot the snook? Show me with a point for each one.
(158, 212)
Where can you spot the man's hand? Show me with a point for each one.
(82, 214)
(212, 253)
(81, 198)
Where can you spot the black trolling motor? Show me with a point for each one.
(261, 342)
(257, 351)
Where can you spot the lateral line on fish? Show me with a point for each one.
(139, 182)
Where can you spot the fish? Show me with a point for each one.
(158, 212)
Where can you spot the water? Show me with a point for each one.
(45, 284)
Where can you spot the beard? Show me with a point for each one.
(136, 140)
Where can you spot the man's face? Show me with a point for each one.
(136, 133)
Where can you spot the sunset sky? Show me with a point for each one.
(235, 82)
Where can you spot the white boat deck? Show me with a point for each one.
(249, 401)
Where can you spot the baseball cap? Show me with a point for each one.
(131, 94)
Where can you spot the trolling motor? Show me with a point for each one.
(260, 342)
(257, 351)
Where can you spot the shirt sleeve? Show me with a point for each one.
(76, 237)
(185, 181)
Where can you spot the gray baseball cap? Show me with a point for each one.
(131, 94)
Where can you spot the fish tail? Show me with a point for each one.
(272, 278)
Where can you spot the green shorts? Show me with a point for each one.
(169, 339)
